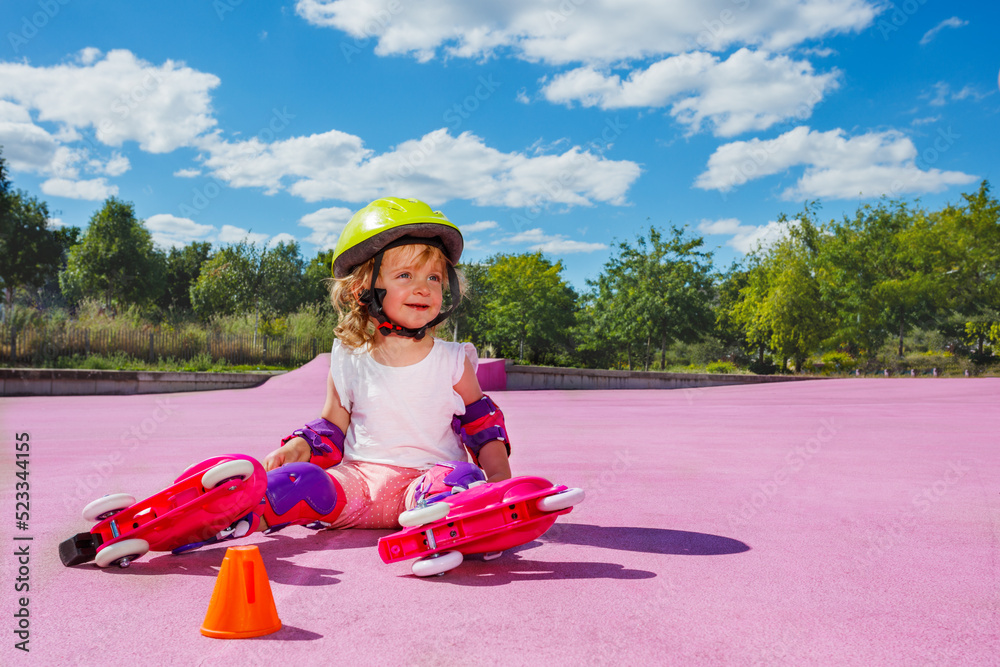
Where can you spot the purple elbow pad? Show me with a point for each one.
(482, 423)
(326, 442)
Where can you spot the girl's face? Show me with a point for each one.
(414, 286)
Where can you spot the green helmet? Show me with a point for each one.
(389, 223)
(386, 220)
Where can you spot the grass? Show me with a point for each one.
(202, 363)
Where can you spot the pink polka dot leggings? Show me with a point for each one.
(376, 493)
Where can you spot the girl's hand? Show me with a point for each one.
(295, 450)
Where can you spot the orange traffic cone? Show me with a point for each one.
(242, 604)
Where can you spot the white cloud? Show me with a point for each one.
(751, 90)
(31, 148)
(92, 190)
(436, 168)
(746, 238)
(89, 55)
(116, 166)
(836, 166)
(727, 226)
(116, 97)
(26, 146)
(942, 94)
(283, 237)
(556, 244)
(326, 225)
(953, 22)
(170, 231)
(120, 97)
(480, 226)
(591, 31)
(231, 234)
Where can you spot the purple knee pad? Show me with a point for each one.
(299, 493)
(446, 478)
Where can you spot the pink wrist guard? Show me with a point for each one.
(326, 442)
(481, 423)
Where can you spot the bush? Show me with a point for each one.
(203, 362)
(834, 362)
(762, 367)
(983, 358)
(720, 367)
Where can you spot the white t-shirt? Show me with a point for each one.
(402, 415)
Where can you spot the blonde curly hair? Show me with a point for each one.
(354, 326)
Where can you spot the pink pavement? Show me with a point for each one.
(849, 522)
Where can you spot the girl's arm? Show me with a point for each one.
(493, 456)
(297, 450)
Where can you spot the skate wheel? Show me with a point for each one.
(102, 508)
(560, 501)
(122, 553)
(238, 469)
(421, 516)
(437, 564)
(492, 555)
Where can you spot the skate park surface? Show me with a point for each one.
(849, 522)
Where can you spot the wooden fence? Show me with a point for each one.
(36, 346)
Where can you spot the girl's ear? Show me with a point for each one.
(360, 286)
(356, 289)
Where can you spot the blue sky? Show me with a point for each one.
(558, 126)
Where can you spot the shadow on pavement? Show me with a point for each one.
(646, 540)
(513, 567)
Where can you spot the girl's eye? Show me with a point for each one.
(403, 275)
(437, 278)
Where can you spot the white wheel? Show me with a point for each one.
(437, 564)
(421, 516)
(560, 501)
(216, 475)
(102, 508)
(123, 553)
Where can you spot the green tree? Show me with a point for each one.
(528, 305)
(245, 278)
(655, 292)
(182, 270)
(30, 249)
(5, 193)
(968, 237)
(748, 307)
(469, 321)
(794, 308)
(779, 305)
(728, 286)
(115, 260)
(878, 272)
(594, 347)
(315, 277)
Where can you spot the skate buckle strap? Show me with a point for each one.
(325, 439)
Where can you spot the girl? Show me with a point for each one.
(404, 413)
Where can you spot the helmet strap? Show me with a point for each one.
(372, 297)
